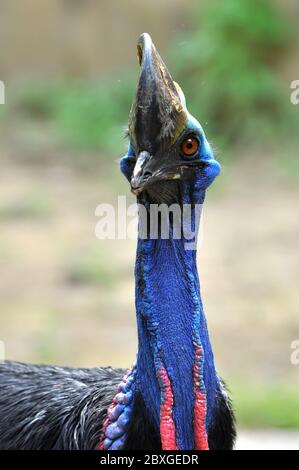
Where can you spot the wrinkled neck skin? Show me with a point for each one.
(175, 371)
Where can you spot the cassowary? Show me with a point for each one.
(172, 398)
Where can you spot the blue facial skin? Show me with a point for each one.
(169, 310)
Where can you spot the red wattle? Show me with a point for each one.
(200, 405)
(167, 426)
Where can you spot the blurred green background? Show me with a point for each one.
(70, 71)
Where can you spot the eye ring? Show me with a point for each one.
(190, 146)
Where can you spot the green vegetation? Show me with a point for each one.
(32, 206)
(266, 405)
(86, 115)
(227, 65)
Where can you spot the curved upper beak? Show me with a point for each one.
(157, 115)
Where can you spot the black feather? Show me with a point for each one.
(222, 434)
(43, 407)
(142, 434)
(61, 408)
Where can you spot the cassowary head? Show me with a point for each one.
(167, 145)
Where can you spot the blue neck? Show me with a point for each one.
(171, 322)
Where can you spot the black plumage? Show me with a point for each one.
(45, 407)
(61, 408)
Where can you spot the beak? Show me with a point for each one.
(148, 170)
(157, 115)
(140, 175)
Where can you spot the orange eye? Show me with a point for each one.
(190, 146)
